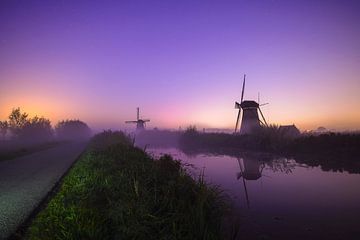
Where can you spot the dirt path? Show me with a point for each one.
(26, 180)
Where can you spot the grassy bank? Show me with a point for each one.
(117, 191)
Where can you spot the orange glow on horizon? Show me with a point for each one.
(209, 111)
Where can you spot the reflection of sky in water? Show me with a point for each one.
(288, 200)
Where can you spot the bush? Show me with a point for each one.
(109, 138)
(72, 130)
(37, 129)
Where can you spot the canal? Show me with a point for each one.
(279, 198)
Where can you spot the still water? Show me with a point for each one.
(278, 198)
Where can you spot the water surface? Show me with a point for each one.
(278, 198)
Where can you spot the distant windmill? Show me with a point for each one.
(140, 123)
(250, 117)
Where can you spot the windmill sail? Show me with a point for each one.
(238, 105)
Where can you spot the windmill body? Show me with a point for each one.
(140, 123)
(250, 120)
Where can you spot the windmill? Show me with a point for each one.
(140, 123)
(250, 117)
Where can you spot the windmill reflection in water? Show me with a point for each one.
(250, 169)
(252, 165)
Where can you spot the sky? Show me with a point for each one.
(181, 62)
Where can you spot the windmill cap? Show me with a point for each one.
(249, 104)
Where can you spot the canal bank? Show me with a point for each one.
(117, 190)
(280, 198)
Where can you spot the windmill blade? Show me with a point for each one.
(130, 121)
(262, 115)
(237, 120)
(262, 122)
(263, 104)
(146, 120)
(238, 175)
(238, 105)
(243, 88)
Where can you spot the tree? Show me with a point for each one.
(72, 130)
(3, 128)
(17, 121)
(37, 129)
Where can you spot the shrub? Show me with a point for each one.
(37, 129)
(72, 130)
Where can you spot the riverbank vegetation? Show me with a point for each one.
(117, 191)
(158, 138)
(331, 151)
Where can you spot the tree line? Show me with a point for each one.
(20, 127)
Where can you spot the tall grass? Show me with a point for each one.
(117, 191)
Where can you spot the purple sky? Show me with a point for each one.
(181, 62)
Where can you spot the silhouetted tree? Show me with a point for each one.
(3, 128)
(72, 130)
(37, 129)
(17, 121)
(192, 130)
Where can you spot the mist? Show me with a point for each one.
(179, 119)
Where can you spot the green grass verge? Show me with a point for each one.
(117, 191)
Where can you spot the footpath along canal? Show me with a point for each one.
(26, 181)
